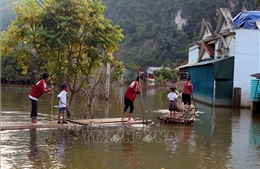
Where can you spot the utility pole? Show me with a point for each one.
(107, 81)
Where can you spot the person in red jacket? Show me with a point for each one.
(130, 95)
(187, 91)
(37, 90)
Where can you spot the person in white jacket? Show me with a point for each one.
(62, 96)
(172, 97)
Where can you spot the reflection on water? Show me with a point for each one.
(128, 149)
(220, 138)
(34, 151)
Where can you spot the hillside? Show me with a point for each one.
(156, 32)
(159, 32)
(6, 13)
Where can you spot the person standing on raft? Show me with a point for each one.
(36, 92)
(130, 95)
(172, 97)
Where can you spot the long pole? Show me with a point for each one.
(193, 101)
(141, 94)
(51, 102)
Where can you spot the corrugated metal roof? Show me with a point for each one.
(205, 62)
(151, 69)
(256, 75)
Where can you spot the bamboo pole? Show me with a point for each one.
(141, 94)
(52, 102)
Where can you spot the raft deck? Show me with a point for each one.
(109, 121)
(105, 122)
(185, 117)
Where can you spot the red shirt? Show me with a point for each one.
(38, 89)
(132, 90)
(187, 87)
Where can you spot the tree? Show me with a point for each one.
(70, 39)
(163, 75)
(10, 73)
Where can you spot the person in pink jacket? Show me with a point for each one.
(130, 95)
(187, 91)
(36, 92)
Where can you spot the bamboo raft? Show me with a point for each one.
(109, 121)
(184, 117)
(105, 122)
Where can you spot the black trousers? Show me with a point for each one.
(186, 99)
(34, 110)
(129, 103)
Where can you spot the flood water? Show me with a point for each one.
(220, 138)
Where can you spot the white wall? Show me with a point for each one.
(193, 54)
(205, 55)
(247, 54)
(230, 40)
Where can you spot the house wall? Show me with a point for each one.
(193, 54)
(150, 76)
(223, 76)
(202, 79)
(230, 40)
(247, 60)
(213, 82)
(231, 44)
(205, 55)
(216, 47)
(206, 34)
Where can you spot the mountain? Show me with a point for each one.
(157, 33)
(7, 15)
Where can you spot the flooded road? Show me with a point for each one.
(220, 138)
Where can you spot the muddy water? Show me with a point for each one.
(220, 138)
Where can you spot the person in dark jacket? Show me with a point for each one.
(36, 92)
(130, 95)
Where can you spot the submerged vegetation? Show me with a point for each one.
(71, 40)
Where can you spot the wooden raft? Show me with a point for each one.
(28, 125)
(185, 117)
(71, 123)
(108, 121)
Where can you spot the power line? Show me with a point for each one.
(251, 39)
(54, 17)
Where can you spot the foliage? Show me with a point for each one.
(70, 39)
(10, 73)
(150, 29)
(149, 26)
(163, 75)
(117, 69)
(160, 79)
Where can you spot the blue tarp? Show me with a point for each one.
(247, 19)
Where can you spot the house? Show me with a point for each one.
(150, 76)
(222, 60)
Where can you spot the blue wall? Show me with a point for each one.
(202, 79)
(220, 72)
(255, 90)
